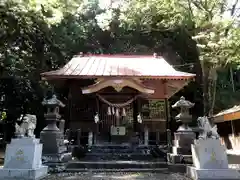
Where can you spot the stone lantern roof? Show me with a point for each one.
(52, 102)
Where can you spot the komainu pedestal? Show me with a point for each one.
(210, 161)
(23, 160)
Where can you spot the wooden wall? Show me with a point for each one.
(81, 108)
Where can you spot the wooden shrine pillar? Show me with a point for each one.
(168, 130)
(136, 110)
(96, 132)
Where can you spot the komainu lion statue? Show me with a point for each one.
(27, 127)
(206, 129)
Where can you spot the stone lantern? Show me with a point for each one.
(184, 137)
(51, 137)
(52, 115)
(184, 115)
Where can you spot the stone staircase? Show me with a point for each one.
(119, 158)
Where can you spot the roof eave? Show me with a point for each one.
(45, 76)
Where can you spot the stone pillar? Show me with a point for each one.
(184, 137)
(54, 150)
(146, 136)
(90, 139)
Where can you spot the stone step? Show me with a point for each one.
(120, 155)
(102, 156)
(119, 152)
(120, 148)
(114, 151)
(184, 144)
(186, 159)
(181, 150)
(112, 146)
(126, 145)
(177, 168)
(152, 170)
(115, 165)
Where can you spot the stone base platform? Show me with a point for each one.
(56, 163)
(212, 174)
(181, 150)
(173, 158)
(23, 174)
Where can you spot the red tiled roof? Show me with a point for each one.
(117, 65)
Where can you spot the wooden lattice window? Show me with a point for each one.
(153, 109)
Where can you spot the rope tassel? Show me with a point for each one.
(113, 111)
(96, 118)
(123, 112)
(109, 111)
(117, 112)
(139, 119)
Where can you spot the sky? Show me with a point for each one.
(106, 3)
(230, 4)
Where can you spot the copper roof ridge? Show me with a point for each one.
(118, 55)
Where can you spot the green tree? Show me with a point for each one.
(38, 36)
(217, 37)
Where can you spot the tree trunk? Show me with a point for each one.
(212, 89)
(205, 74)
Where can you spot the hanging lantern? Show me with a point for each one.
(123, 112)
(139, 119)
(113, 111)
(117, 112)
(96, 118)
(109, 111)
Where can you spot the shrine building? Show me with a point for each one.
(115, 96)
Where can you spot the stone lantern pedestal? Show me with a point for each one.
(181, 149)
(54, 151)
(184, 137)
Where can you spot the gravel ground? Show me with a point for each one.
(116, 176)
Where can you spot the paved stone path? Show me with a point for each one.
(116, 176)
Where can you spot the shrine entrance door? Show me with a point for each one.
(116, 124)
